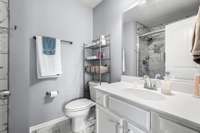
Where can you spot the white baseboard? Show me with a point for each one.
(46, 124)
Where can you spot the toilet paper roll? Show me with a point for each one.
(52, 94)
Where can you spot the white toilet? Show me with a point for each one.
(78, 110)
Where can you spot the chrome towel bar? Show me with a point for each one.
(69, 42)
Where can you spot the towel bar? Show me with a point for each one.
(69, 42)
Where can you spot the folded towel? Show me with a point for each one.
(49, 45)
(196, 40)
(48, 66)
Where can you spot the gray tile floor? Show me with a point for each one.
(62, 127)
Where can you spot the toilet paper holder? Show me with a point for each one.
(52, 94)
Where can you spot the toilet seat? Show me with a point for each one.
(78, 105)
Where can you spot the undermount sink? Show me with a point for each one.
(144, 94)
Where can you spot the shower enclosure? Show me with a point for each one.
(151, 51)
(4, 50)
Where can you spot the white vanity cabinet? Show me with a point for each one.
(108, 122)
(115, 115)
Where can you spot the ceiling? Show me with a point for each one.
(156, 12)
(91, 3)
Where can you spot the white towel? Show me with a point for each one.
(48, 66)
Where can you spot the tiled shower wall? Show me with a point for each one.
(3, 63)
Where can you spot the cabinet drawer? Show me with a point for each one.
(161, 125)
(168, 126)
(130, 112)
(101, 98)
(132, 129)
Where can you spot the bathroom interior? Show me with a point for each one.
(99, 66)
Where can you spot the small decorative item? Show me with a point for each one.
(166, 84)
(197, 85)
(100, 55)
(166, 87)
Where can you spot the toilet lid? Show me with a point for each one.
(79, 104)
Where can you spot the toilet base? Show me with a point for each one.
(79, 124)
(88, 130)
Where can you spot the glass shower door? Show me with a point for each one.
(4, 41)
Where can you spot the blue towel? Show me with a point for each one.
(49, 45)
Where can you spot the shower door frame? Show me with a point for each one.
(5, 93)
(8, 80)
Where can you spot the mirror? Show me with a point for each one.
(157, 38)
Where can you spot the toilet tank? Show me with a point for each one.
(92, 85)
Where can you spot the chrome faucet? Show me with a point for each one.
(147, 82)
(151, 84)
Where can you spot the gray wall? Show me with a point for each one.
(129, 43)
(65, 19)
(108, 20)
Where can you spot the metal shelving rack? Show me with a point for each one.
(93, 50)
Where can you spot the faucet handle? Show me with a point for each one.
(147, 81)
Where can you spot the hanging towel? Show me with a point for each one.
(48, 65)
(196, 40)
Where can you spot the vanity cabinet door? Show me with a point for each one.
(107, 122)
(161, 125)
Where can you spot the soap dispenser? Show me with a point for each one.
(166, 84)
